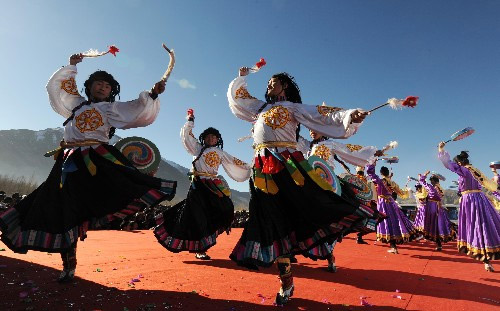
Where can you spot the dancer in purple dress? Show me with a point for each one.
(478, 222)
(437, 226)
(496, 194)
(420, 195)
(396, 228)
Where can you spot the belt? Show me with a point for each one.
(470, 191)
(83, 143)
(63, 145)
(385, 197)
(196, 173)
(275, 144)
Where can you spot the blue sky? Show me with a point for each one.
(346, 53)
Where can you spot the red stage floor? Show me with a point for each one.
(419, 278)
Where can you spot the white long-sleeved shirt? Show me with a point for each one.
(92, 122)
(213, 157)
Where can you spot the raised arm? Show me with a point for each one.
(62, 88)
(242, 104)
(370, 171)
(328, 121)
(353, 154)
(190, 143)
(444, 157)
(235, 168)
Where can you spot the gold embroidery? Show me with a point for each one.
(276, 117)
(88, 121)
(323, 152)
(353, 148)
(242, 93)
(238, 162)
(326, 110)
(69, 86)
(212, 159)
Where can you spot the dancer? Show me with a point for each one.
(478, 222)
(420, 195)
(396, 228)
(435, 224)
(91, 182)
(332, 151)
(292, 209)
(194, 224)
(496, 194)
(360, 173)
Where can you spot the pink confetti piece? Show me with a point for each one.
(398, 291)
(23, 294)
(140, 276)
(364, 302)
(397, 296)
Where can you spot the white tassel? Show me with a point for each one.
(244, 138)
(395, 103)
(93, 53)
(390, 145)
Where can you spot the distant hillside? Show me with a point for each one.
(21, 155)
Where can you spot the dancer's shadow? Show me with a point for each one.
(28, 286)
(382, 280)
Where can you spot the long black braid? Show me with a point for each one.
(115, 91)
(201, 138)
(292, 93)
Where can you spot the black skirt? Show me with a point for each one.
(291, 213)
(194, 224)
(84, 190)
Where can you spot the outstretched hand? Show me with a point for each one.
(75, 59)
(190, 114)
(244, 71)
(357, 116)
(441, 145)
(427, 173)
(378, 153)
(159, 87)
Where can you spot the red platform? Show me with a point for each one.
(108, 260)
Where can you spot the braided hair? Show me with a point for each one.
(462, 158)
(292, 93)
(201, 138)
(384, 171)
(106, 77)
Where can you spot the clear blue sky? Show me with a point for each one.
(347, 53)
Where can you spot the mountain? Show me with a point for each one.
(21, 155)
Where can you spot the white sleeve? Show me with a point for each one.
(190, 142)
(235, 168)
(135, 113)
(303, 145)
(329, 121)
(242, 104)
(353, 154)
(63, 92)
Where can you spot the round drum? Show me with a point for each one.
(495, 165)
(141, 152)
(323, 169)
(361, 189)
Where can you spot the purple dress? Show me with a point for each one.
(478, 222)
(437, 225)
(496, 194)
(420, 218)
(396, 227)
